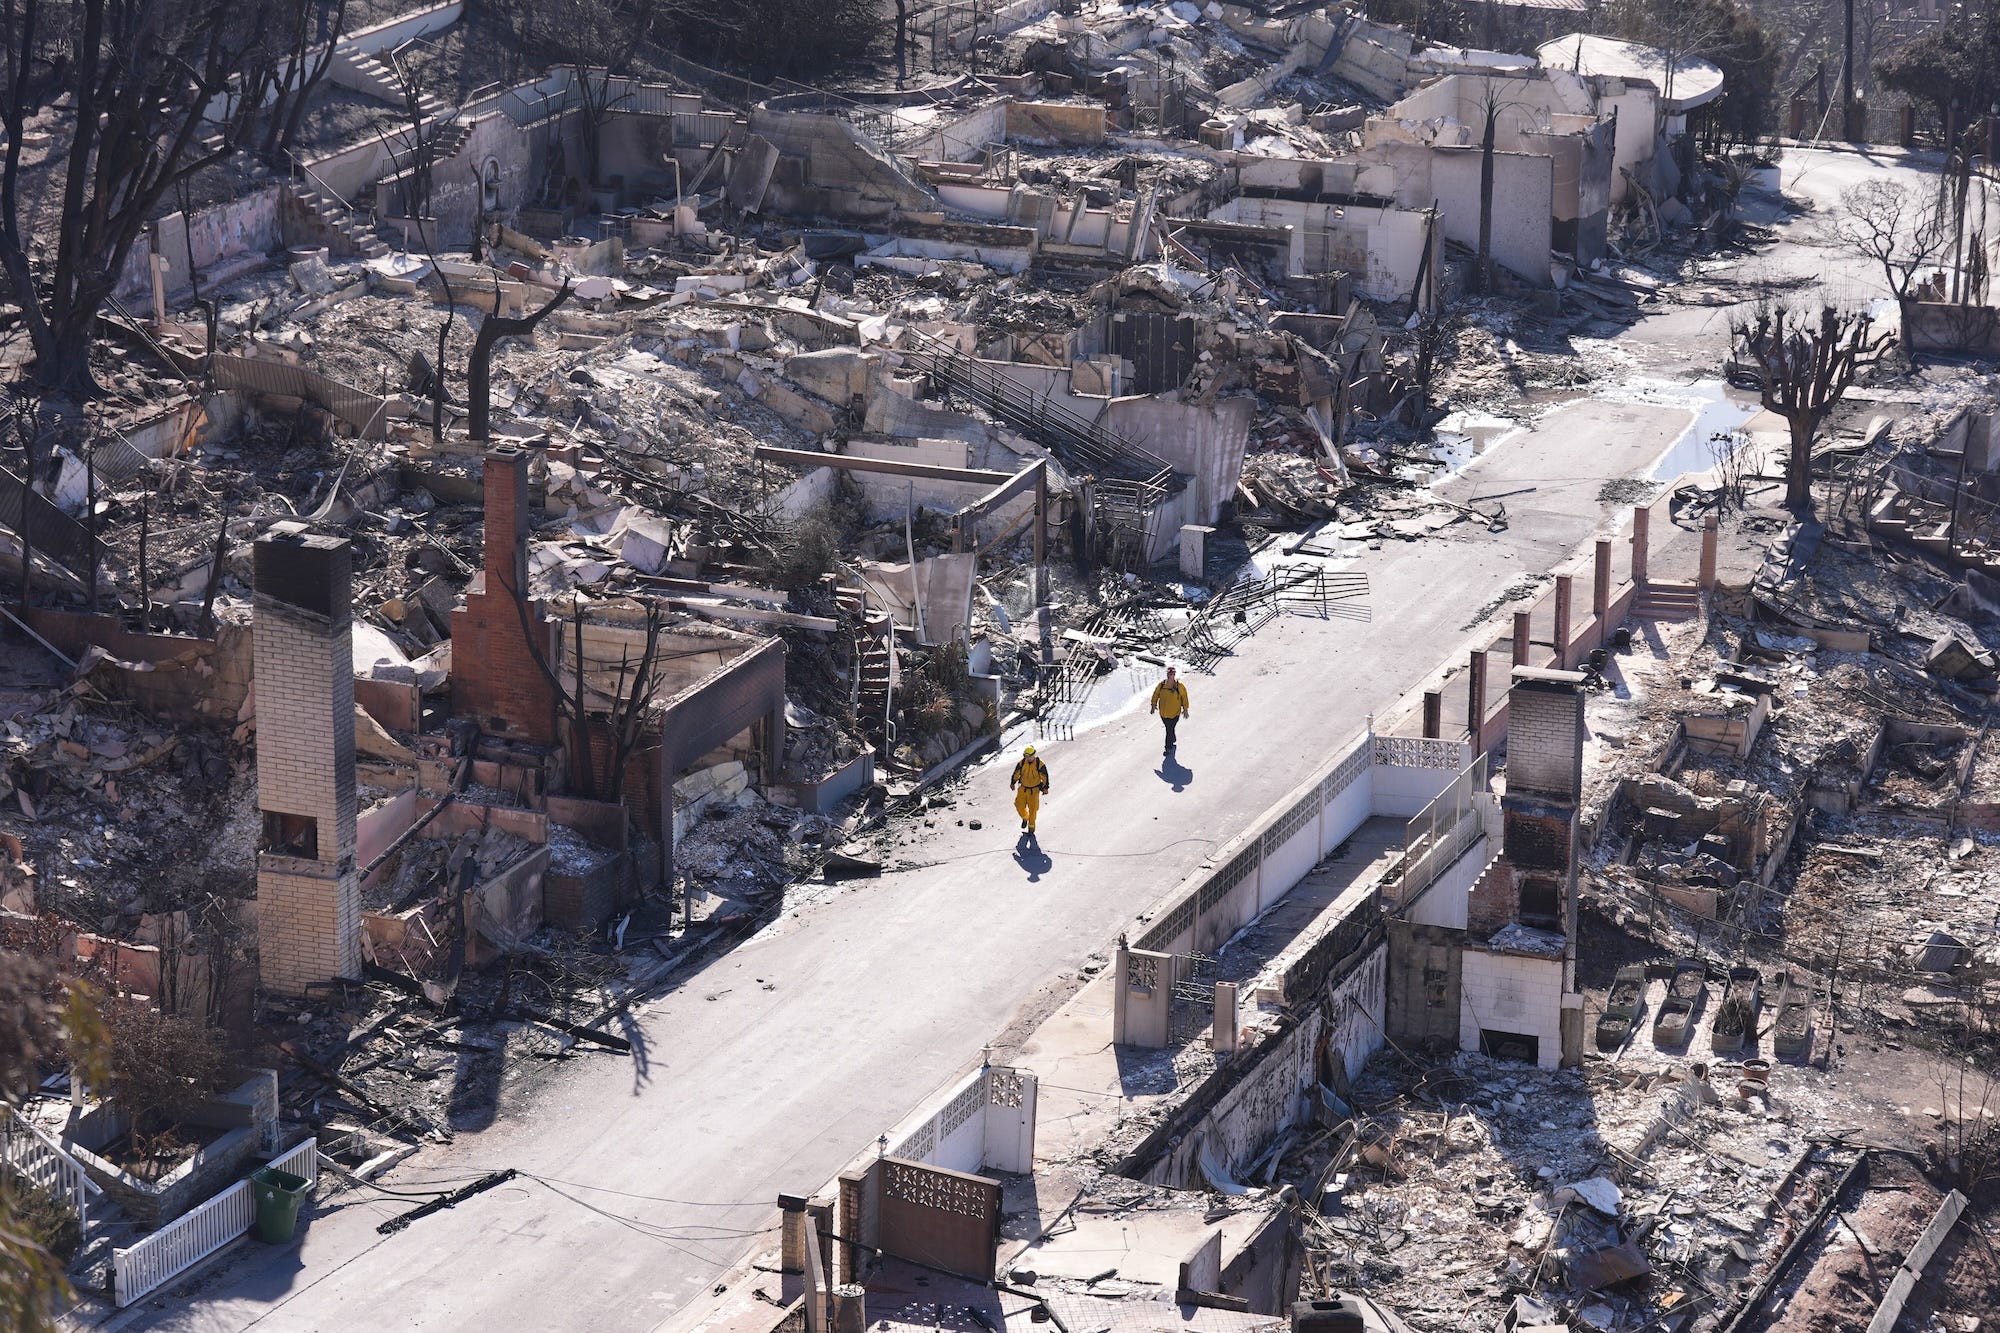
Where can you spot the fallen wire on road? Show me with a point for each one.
(451, 1200)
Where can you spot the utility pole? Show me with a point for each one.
(1847, 74)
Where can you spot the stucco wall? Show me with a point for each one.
(1382, 247)
(1523, 187)
(1635, 111)
(1280, 1090)
(1207, 442)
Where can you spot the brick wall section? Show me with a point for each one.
(308, 908)
(308, 923)
(1494, 900)
(1545, 734)
(1537, 837)
(193, 680)
(305, 723)
(582, 902)
(495, 678)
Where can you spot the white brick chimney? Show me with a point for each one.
(308, 887)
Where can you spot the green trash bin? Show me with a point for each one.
(278, 1194)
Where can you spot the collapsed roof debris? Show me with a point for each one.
(573, 521)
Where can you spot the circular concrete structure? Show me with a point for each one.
(1694, 81)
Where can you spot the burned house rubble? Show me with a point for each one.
(572, 535)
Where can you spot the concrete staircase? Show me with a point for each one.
(451, 137)
(247, 164)
(348, 232)
(109, 1228)
(873, 675)
(383, 84)
(1667, 601)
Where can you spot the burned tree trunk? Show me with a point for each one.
(479, 373)
(1805, 369)
(1484, 274)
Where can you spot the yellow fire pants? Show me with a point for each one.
(1027, 800)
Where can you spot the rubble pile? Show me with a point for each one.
(1597, 1198)
(694, 503)
(120, 816)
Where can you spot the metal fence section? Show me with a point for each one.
(1441, 833)
(52, 533)
(366, 412)
(1193, 1007)
(40, 1160)
(195, 1235)
(1240, 610)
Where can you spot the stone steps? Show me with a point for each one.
(1668, 601)
(337, 219)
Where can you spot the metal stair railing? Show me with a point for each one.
(1063, 432)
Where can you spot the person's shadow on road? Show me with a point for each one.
(1171, 772)
(1028, 855)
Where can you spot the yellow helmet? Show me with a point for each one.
(1025, 753)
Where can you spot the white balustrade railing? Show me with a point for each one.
(196, 1234)
(41, 1161)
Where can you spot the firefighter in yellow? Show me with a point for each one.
(1170, 701)
(1030, 781)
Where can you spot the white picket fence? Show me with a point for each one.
(43, 1163)
(195, 1235)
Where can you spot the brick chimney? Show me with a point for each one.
(1545, 734)
(308, 889)
(495, 678)
(506, 482)
(1533, 883)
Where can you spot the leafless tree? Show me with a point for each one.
(596, 40)
(1968, 1131)
(1489, 118)
(1885, 222)
(415, 144)
(1432, 339)
(625, 719)
(1728, 453)
(130, 82)
(1492, 104)
(213, 932)
(1806, 367)
(293, 51)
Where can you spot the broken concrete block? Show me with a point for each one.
(647, 542)
(312, 276)
(1940, 953)
(1599, 1192)
(1952, 659)
(1662, 823)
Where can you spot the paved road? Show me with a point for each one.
(775, 1065)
